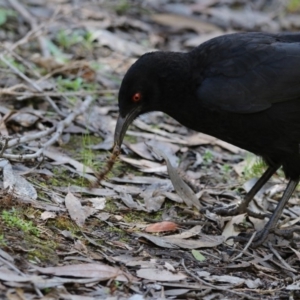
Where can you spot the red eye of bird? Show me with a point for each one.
(136, 97)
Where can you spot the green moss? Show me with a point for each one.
(122, 7)
(115, 229)
(140, 216)
(293, 5)
(43, 250)
(110, 206)
(64, 223)
(68, 38)
(88, 156)
(14, 218)
(5, 14)
(2, 240)
(79, 147)
(207, 157)
(120, 233)
(62, 178)
(28, 234)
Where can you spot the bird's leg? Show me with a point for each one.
(262, 234)
(243, 206)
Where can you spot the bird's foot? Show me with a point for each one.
(258, 239)
(262, 235)
(233, 210)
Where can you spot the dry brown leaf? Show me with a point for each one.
(247, 19)
(146, 166)
(141, 180)
(182, 189)
(184, 22)
(188, 233)
(25, 119)
(94, 191)
(154, 203)
(230, 229)
(116, 43)
(204, 139)
(94, 270)
(17, 184)
(9, 275)
(162, 227)
(199, 39)
(75, 209)
(205, 241)
(98, 202)
(48, 215)
(160, 275)
(129, 202)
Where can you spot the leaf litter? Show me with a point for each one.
(139, 234)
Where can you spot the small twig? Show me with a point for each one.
(58, 132)
(8, 91)
(24, 62)
(246, 247)
(32, 83)
(71, 66)
(13, 267)
(7, 116)
(33, 24)
(29, 35)
(283, 262)
(34, 33)
(30, 137)
(4, 146)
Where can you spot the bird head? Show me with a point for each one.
(154, 82)
(139, 93)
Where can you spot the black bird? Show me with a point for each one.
(242, 88)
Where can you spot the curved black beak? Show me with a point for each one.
(123, 124)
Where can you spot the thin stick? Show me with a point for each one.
(218, 288)
(246, 247)
(34, 84)
(58, 130)
(33, 24)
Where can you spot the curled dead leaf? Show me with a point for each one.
(162, 227)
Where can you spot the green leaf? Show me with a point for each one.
(60, 57)
(4, 13)
(3, 17)
(198, 255)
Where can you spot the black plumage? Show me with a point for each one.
(242, 88)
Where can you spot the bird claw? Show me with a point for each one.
(258, 240)
(262, 235)
(233, 210)
(230, 210)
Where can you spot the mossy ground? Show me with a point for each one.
(23, 230)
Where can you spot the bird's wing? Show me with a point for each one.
(248, 73)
